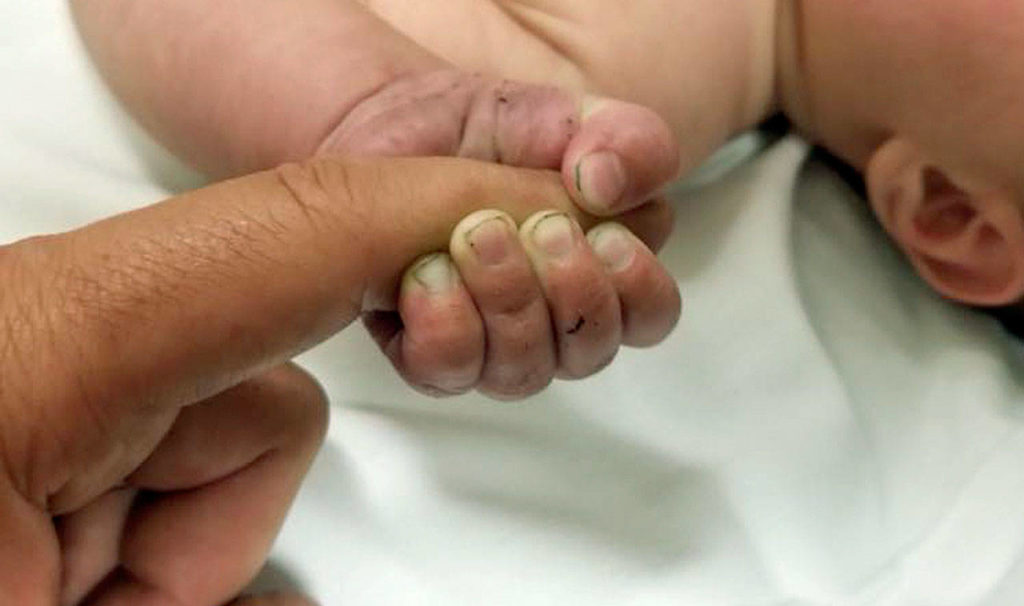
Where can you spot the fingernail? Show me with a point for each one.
(554, 235)
(613, 246)
(435, 273)
(601, 179)
(489, 240)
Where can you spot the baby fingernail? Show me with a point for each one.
(613, 246)
(490, 240)
(435, 273)
(601, 179)
(554, 235)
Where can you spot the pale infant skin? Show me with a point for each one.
(924, 98)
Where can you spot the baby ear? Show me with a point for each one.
(969, 245)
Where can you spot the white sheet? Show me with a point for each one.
(820, 431)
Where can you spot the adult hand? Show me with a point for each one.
(152, 433)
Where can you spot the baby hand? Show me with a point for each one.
(613, 156)
(507, 309)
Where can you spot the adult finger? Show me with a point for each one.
(223, 478)
(178, 301)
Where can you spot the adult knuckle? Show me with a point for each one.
(311, 185)
(333, 199)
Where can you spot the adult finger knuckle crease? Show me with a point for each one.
(313, 186)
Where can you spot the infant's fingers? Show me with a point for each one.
(651, 222)
(440, 349)
(621, 156)
(583, 304)
(520, 352)
(613, 155)
(648, 295)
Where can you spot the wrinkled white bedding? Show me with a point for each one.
(820, 430)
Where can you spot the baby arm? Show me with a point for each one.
(237, 86)
(243, 85)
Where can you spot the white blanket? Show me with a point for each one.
(821, 430)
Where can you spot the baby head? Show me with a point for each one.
(926, 99)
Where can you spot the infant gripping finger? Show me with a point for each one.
(519, 307)
(585, 312)
(622, 155)
(438, 346)
(520, 355)
(648, 295)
